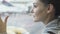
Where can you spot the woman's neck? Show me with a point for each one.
(49, 19)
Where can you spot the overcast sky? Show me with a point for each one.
(17, 7)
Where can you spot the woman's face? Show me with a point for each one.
(39, 10)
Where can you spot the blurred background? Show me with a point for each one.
(19, 10)
(15, 6)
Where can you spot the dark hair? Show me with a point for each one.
(55, 3)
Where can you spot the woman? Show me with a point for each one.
(3, 25)
(45, 15)
(47, 11)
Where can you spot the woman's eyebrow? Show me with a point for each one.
(35, 4)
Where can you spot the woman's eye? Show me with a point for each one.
(35, 6)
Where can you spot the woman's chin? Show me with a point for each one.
(36, 20)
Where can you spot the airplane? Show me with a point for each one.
(7, 3)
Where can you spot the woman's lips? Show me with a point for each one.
(34, 16)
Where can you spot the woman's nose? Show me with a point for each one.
(32, 11)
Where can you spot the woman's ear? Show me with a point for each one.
(50, 8)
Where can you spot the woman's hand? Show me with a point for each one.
(6, 19)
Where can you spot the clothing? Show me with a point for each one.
(40, 28)
(53, 26)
